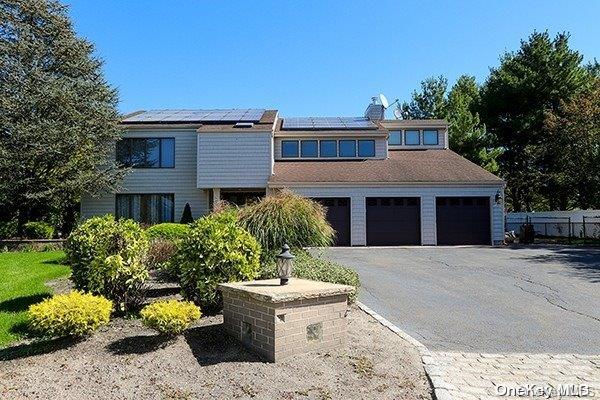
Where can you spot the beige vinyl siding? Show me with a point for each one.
(427, 194)
(234, 160)
(181, 180)
(380, 145)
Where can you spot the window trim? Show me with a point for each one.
(437, 137)
(418, 133)
(297, 147)
(143, 194)
(130, 140)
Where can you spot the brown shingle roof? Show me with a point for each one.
(407, 166)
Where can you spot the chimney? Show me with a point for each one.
(375, 111)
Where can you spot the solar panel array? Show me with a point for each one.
(333, 123)
(169, 116)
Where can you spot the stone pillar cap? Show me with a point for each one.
(269, 290)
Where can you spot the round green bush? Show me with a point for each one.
(38, 230)
(73, 314)
(170, 317)
(286, 218)
(168, 231)
(217, 250)
(98, 238)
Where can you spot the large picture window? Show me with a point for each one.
(146, 152)
(146, 208)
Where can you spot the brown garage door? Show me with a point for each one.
(338, 215)
(393, 221)
(463, 220)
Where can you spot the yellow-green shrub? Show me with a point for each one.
(170, 316)
(73, 314)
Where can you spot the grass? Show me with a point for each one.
(22, 284)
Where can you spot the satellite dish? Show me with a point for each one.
(398, 113)
(383, 100)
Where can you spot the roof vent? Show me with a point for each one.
(375, 112)
(244, 125)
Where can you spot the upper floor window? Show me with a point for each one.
(289, 149)
(328, 148)
(412, 138)
(347, 148)
(366, 148)
(395, 138)
(430, 137)
(146, 152)
(309, 148)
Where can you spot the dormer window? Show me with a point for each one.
(309, 148)
(430, 137)
(412, 138)
(347, 148)
(328, 148)
(395, 138)
(289, 149)
(366, 148)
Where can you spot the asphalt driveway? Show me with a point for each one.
(534, 300)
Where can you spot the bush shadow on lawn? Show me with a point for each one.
(19, 304)
(35, 348)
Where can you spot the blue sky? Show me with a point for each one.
(315, 58)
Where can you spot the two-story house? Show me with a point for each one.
(384, 182)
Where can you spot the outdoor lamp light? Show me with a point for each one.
(285, 264)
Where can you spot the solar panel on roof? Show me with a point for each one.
(227, 115)
(312, 123)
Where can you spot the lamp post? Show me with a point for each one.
(285, 264)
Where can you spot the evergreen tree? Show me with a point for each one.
(186, 216)
(58, 117)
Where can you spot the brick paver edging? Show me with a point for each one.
(427, 358)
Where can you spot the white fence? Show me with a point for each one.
(577, 223)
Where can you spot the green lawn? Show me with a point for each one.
(22, 277)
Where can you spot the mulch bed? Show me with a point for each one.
(125, 360)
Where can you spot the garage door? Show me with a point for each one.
(463, 220)
(393, 221)
(338, 215)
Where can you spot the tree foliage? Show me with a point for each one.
(58, 117)
(516, 99)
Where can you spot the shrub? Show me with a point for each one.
(186, 216)
(217, 250)
(307, 266)
(100, 237)
(286, 218)
(73, 314)
(169, 231)
(38, 230)
(170, 316)
(121, 280)
(160, 258)
(8, 229)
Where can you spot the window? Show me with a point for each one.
(430, 137)
(146, 208)
(146, 152)
(347, 148)
(395, 138)
(366, 148)
(411, 138)
(289, 148)
(309, 148)
(328, 148)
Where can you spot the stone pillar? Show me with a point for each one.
(216, 193)
(281, 321)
